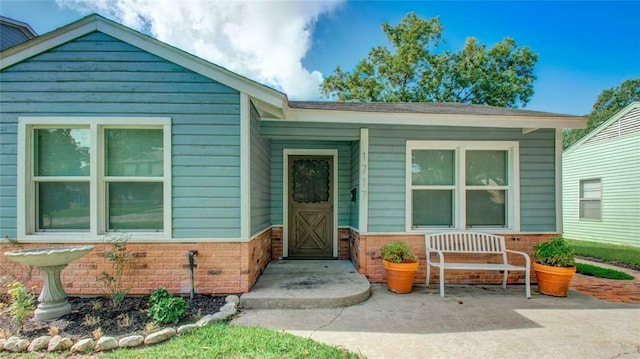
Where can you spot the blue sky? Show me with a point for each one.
(584, 47)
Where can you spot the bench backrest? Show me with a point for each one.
(465, 242)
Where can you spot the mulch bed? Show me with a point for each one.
(89, 314)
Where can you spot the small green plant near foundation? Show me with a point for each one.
(165, 307)
(120, 258)
(397, 252)
(599, 272)
(90, 320)
(23, 302)
(556, 252)
(96, 305)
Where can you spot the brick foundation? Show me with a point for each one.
(354, 248)
(219, 268)
(344, 245)
(276, 243)
(368, 262)
(224, 268)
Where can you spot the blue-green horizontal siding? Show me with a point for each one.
(387, 171)
(260, 154)
(11, 36)
(97, 75)
(310, 131)
(387, 167)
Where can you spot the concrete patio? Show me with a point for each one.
(470, 322)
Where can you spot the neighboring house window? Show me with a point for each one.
(96, 175)
(590, 199)
(462, 185)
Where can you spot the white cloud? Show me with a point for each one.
(262, 40)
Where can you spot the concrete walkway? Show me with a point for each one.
(300, 284)
(470, 322)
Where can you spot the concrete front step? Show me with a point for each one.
(302, 284)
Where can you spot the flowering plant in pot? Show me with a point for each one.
(554, 266)
(400, 264)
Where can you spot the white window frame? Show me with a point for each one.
(582, 199)
(97, 179)
(459, 216)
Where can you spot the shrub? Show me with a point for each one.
(165, 307)
(556, 252)
(23, 302)
(119, 257)
(397, 252)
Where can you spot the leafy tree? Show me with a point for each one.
(413, 72)
(608, 103)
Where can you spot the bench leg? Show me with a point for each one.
(428, 273)
(441, 282)
(504, 279)
(528, 281)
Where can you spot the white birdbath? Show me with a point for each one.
(51, 261)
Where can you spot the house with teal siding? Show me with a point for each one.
(13, 32)
(105, 130)
(600, 187)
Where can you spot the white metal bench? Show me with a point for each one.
(472, 243)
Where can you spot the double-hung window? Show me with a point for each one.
(591, 199)
(89, 176)
(460, 185)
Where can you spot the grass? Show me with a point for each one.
(599, 272)
(227, 341)
(608, 252)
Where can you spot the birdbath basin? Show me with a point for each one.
(51, 261)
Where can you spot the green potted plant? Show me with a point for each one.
(400, 264)
(554, 266)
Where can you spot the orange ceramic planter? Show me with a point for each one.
(553, 281)
(400, 276)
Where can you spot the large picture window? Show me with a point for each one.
(591, 199)
(96, 175)
(462, 185)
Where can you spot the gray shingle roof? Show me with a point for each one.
(421, 107)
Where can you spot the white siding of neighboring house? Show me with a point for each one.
(612, 155)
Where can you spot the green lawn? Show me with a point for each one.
(608, 252)
(599, 272)
(227, 341)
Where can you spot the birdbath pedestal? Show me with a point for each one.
(50, 261)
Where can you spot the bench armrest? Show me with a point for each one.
(438, 252)
(526, 257)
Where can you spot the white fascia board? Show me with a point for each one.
(267, 110)
(422, 119)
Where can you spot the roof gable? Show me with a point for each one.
(274, 105)
(270, 98)
(601, 132)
